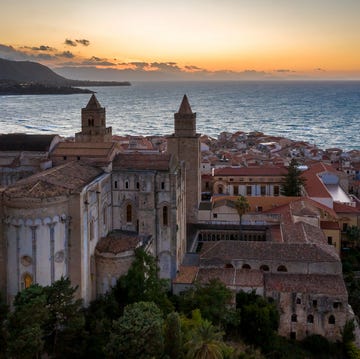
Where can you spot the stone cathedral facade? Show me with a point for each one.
(84, 217)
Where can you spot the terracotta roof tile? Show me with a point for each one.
(142, 161)
(251, 171)
(329, 285)
(119, 241)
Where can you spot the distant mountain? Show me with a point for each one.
(33, 72)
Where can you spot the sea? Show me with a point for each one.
(325, 113)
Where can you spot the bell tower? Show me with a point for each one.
(184, 143)
(93, 123)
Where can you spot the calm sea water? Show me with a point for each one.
(325, 113)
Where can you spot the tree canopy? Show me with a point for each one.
(293, 180)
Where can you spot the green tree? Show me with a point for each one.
(213, 299)
(65, 327)
(242, 206)
(293, 180)
(353, 235)
(99, 317)
(205, 342)
(24, 325)
(173, 336)
(138, 334)
(142, 283)
(259, 319)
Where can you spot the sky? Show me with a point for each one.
(187, 39)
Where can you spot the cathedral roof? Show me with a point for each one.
(120, 241)
(142, 161)
(25, 142)
(93, 103)
(185, 108)
(69, 178)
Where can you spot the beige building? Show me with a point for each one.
(184, 143)
(84, 217)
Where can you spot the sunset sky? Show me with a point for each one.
(214, 38)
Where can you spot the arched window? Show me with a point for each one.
(129, 213)
(331, 319)
(298, 301)
(294, 318)
(126, 184)
(282, 269)
(220, 189)
(228, 265)
(165, 215)
(310, 318)
(246, 266)
(264, 268)
(28, 280)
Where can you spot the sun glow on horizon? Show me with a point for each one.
(233, 35)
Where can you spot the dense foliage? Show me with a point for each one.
(293, 181)
(139, 319)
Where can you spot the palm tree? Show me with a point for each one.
(205, 343)
(242, 206)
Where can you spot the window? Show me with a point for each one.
(207, 185)
(105, 215)
(64, 158)
(248, 190)
(259, 208)
(276, 190)
(345, 226)
(214, 215)
(236, 190)
(329, 239)
(28, 280)
(264, 268)
(336, 305)
(220, 190)
(298, 301)
(246, 266)
(294, 318)
(314, 303)
(331, 319)
(128, 213)
(137, 185)
(263, 190)
(126, 184)
(78, 157)
(115, 184)
(310, 318)
(162, 185)
(282, 269)
(165, 215)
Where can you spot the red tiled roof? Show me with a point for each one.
(329, 225)
(118, 242)
(329, 285)
(343, 208)
(251, 171)
(142, 161)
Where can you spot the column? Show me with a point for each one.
(33, 255)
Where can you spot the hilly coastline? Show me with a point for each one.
(26, 77)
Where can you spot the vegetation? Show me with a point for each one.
(137, 319)
(293, 182)
(242, 206)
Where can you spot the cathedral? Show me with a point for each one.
(79, 208)
(84, 215)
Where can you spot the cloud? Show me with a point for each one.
(165, 66)
(97, 61)
(284, 70)
(69, 42)
(193, 68)
(66, 54)
(83, 42)
(40, 48)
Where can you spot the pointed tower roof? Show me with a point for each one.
(93, 103)
(185, 108)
